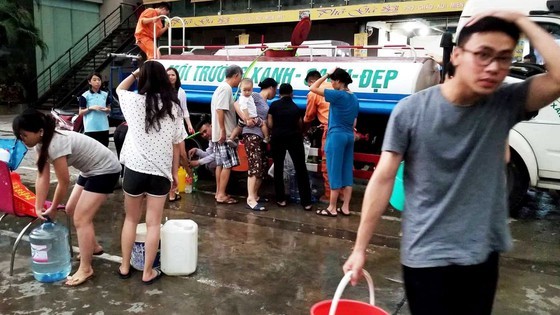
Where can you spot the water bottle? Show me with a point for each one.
(294, 190)
(50, 252)
(195, 179)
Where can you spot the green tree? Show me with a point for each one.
(18, 39)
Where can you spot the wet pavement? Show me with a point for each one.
(281, 261)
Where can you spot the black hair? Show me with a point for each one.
(154, 83)
(312, 74)
(232, 70)
(178, 81)
(204, 119)
(96, 74)
(532, 58)
(449, 70)
(33, 120)
(164, 5)
(285, 89)
(488, 24)
(341, 75)
(268, 82)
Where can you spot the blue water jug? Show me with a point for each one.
(50, 252)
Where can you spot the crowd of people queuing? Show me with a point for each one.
(447, 176)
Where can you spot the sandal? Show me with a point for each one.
(75, 281)
(229, 201)
(262, 199)
(99, 253)
(325, 213)
(308, 207)
(281, 204)
(339, 210)
(124, 275)
(256, 207)
(177, 197)
(159, 274)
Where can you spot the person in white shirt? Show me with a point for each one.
(175, 81)
(223, 122)
(150, 155)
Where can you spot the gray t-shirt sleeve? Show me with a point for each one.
(513, 98)
(397, 134)
(58, 147)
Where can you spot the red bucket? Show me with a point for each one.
(348, 307)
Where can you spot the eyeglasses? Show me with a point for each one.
(484, 58)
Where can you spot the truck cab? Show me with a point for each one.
(535, 146)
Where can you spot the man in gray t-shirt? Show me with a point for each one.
(223, 122)
(451, 138)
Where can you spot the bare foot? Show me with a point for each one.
(79, 277)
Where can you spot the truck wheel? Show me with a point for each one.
(517, 183)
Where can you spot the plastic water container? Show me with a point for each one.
(5, 155)
(137, 258)
(397, 197)
(50, 252)
(179, 247)
(294, 189)
(181, 177)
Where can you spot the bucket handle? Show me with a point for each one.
(342, 285)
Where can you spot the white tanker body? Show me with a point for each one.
(379, 82)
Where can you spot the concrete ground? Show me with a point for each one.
(277, 262)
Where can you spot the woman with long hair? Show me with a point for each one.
(175, 81)
(99, 172)
(339, 146)
(150, 155)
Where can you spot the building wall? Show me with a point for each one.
(62, 23)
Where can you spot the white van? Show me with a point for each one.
(535, 144)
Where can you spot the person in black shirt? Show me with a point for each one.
(285, 124)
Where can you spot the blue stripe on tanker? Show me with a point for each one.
(370, 103)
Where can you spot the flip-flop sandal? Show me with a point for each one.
(262, 199)
(325, 213)
(159, 274)
(99, 253)
(124, 275)
(77, 281)
(257, 207)
(339, 211)
(281, 203)
(177, 197)
(229, 201)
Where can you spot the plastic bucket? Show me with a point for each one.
(348, 307)
(138, 249)
(397, 197)
(243, 162)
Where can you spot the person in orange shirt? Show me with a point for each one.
(318, 108)
(144, 33)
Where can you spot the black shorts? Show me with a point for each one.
(136, 184)
(101, 184)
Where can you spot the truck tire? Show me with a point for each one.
(517, 183)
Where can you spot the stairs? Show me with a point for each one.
(58, 85)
